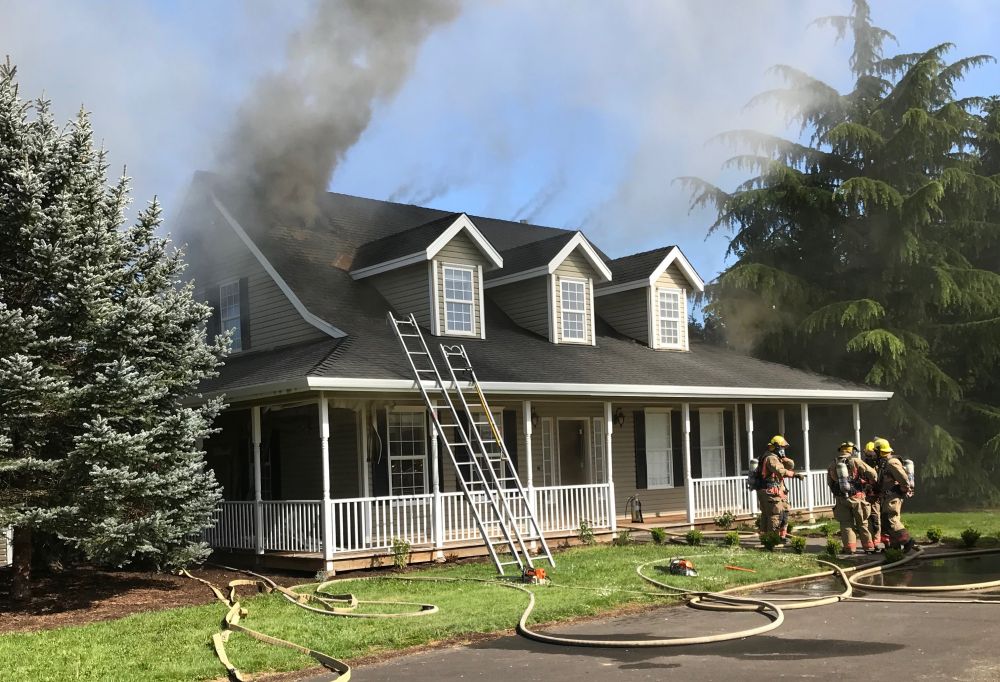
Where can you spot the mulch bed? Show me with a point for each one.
(83, 595)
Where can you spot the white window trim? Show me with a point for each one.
(598, 441)
(562, 311)
(553, 473)
(389, 456)
(222, 320)
(435, 303)
(722, 432)
(472, 270)
(681, 321)
(670, 450)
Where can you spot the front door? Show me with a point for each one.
(573, 451)
(713, 442)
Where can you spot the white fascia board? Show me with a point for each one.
(580, 241)
(463, 222)
(312, 319)
(395, 263)
(610, 390)
(260, 391)
(623, 286)
(516, 277)
(675, 256)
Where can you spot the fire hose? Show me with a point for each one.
(324, 602)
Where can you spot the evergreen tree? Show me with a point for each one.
(102, 347)
(867, 249)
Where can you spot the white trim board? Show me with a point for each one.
(576, 241)
(674, 256)
(309, 317)
(462, 222)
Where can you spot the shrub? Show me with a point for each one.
(970, 536)
(623, 539)
(694, 537)
(934, 534)
(400, 550)
(770, 540)
(833, 547)
(893, 554)
(725, 520)
(659, 535)
(826, 529)
(798, 545)
(789, 526)
(586, 533)
(732, 539)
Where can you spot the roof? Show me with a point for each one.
(530, 256)
(315, 259)
(643, 269)
(637, 265)
(402, 243)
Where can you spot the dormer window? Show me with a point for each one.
(671, 317)
(574, 310)
(459, 304)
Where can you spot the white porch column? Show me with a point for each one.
(438, 508)
(529, 464)
(364, 466)
(686, 454)
(609, 421)
(857, 425)
(781, 421)
(807, 464)
(258, 515)
(737, 455)
(750, 453)
(326, 512)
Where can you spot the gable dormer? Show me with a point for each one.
(647, 300)
(434, 271)
(548, 287)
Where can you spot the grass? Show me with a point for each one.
(986, 522)
(174, 644)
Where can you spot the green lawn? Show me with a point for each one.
(174, 644)
(953, 523)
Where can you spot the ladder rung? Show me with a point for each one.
(412, 336)
(425, 370)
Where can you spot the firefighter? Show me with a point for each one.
(846, 479)
(775, 467)
(894, 485)
(871, 458)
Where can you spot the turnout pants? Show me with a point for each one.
(773, 512)
(875, 520)
(853, 513)
(892, 508)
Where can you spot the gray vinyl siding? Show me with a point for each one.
(526, 303)
(274, 321)
(460, 251)
(407, 291)
(623, 449)
(672, 278)
(5, 554)
(576, 266)
(627, 312)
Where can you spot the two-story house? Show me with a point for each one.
(599, 391)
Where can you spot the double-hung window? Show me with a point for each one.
(229, 313)
(671, 317)
(407, 451)
(659, 449)
(459, 306)
(574, 309)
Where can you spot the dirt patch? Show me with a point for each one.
(86, 595)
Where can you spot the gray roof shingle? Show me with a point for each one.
(635, 266)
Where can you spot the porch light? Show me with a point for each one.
(534, 418)
(620, 417)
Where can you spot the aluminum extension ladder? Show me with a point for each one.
(488, 474)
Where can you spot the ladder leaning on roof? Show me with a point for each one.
(488, 474)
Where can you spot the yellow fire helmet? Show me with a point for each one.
(870, 446)
(778, 442)
(883, 447)
(846, 446)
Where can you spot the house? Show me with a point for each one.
(599, 391)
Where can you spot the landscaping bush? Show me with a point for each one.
(586, 533)
(725, 520)
(894, 554)
(970, 536)
(694, 537)
(659, 535)
(732, 539)
(798, 545)
(400, 553)
(833, 547)
(934, 534)
(623, 539)
(770, 540)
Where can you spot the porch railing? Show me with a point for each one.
(373, 523)
(714, 496)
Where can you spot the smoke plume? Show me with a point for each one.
(297, 123)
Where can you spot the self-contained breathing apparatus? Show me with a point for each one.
(755, 479)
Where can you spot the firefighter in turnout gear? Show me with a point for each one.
(775, 467)
(895, 485)
(871, 458)
(846, 478)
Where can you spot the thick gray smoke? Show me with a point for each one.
(297, 123)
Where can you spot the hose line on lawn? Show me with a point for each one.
(327, 603)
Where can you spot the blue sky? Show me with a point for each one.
(569, 113)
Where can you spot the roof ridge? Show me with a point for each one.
(646, 252)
